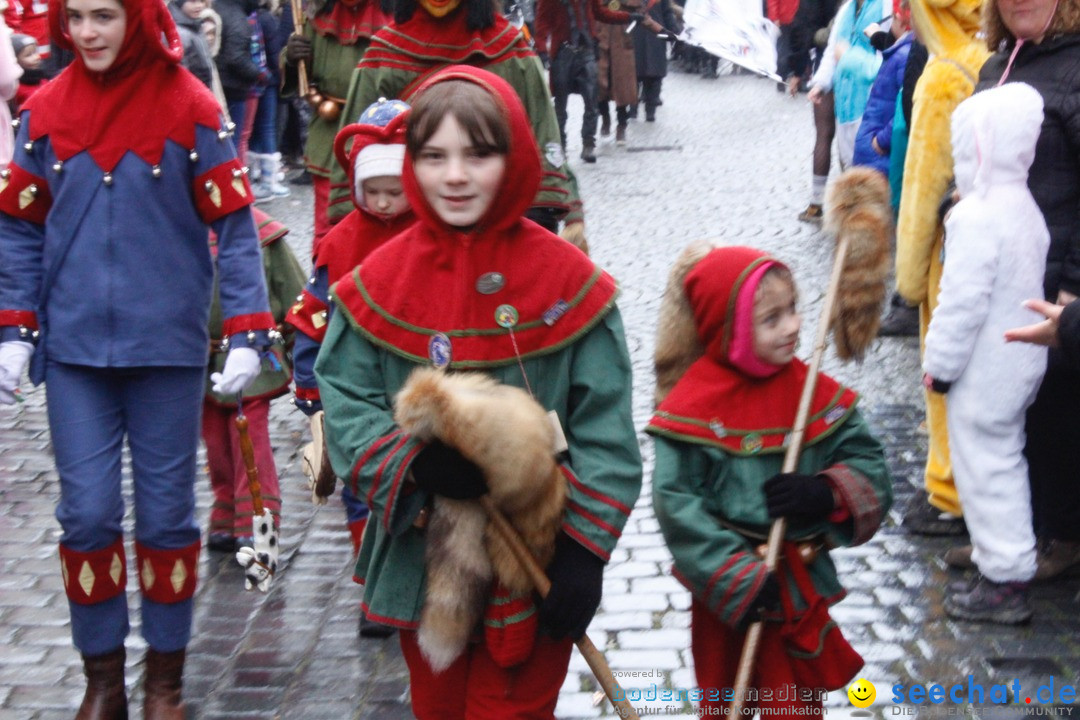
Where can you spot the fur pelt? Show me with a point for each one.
(574, 233)
(677, 342)
(857, 207)
(509, 436)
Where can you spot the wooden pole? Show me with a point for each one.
(247, 450)
(301, 66)
(597, 663)
(791, 462)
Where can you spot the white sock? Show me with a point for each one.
(817, 189)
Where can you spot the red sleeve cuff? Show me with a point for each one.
(303, 393)
(24, 195)
(19, 318)
(221, 190)
(245, 323)
(309, 316)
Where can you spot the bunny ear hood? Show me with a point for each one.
(994, 135)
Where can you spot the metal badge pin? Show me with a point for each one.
(58, 166)
(506, 316)
(29, 147)
(193, 155)
(440, 351)
(156, 171)
(490, 283)
(16, 123)
(222, 134)
(718, 428)
(107, 179)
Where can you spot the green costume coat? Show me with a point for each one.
(711, 507)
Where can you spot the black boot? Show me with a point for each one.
(105, 697)
(901, 321)
(162, 685)
(588, 153)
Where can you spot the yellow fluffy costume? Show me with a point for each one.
(948, 28)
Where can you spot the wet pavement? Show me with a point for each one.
(727, 159)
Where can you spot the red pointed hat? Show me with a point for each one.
(143, 99)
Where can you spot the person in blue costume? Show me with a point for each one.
(122, 164)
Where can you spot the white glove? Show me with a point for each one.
(14, 355)
(241, 368)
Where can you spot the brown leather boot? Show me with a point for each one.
(164, 678)
(105, 697)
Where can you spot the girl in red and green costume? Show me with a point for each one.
(475, 286)
(427, 35)
(728, 384)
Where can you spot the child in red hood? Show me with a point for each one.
(473, 285)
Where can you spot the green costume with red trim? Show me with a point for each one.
(721, 433)
(420, 296)
(402, 55)
(339, 39)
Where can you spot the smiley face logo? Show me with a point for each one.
(861, 693)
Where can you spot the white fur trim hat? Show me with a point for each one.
(379, 160)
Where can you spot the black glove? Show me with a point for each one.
(766, 600)
(298, 48)
(545, 217)
(577, 580)
(442, 470)
(794, 495)
(882, 40)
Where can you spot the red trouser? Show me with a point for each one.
(232, 509)
(474, 687)
(716, 648)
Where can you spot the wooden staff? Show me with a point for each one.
(791, 462)
(597, 663)
(301, 66)
(247, 450)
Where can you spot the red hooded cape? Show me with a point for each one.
(425, 281)
(142, 100)
(350, 20)
(716, 404)
(423, 41)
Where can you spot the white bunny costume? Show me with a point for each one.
(995, 257)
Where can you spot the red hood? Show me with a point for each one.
(138, 103)
(521, 179)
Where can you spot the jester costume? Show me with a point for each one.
(720, 435)
(512, 300)
(104, 261)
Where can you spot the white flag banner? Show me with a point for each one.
(733, 30)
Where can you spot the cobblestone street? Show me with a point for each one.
(727, 159)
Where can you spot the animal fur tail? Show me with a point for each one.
(509, 436)
(857, 206)
(677, 343)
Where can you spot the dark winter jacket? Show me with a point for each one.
(812, 15)
(877, 119)
(1069, 333)
(271, 37)
(235, 65)
(196, 52)
(1053, 68)
(916, 62)
(650, 52)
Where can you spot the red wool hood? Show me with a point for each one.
(434, 279)
(142, 100)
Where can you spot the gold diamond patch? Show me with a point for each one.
(86, 578)
(179, 575)
(116, 568)
(147, 575)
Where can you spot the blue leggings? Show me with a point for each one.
(91, 411)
